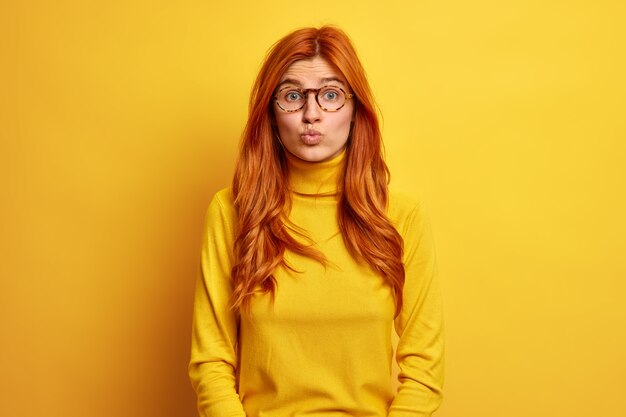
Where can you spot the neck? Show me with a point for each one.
(315, 178)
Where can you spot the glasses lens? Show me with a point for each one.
(331, 98)
(291, 99)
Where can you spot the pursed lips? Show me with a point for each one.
(311, 137)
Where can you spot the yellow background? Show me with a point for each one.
(119, 120)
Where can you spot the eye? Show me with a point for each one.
(292, 95)
(331, 94)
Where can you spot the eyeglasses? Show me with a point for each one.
(329, 98)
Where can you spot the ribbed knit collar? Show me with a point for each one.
(315, 178)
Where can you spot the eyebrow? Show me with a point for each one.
(299, 84)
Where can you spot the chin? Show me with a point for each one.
(313, 155)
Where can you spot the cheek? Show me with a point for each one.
(344, 123)
(348, 117)
(284, 123)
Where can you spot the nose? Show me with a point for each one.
(311, 112)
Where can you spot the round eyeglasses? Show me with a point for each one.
(329, 98)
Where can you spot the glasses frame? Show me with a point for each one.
(305, 92)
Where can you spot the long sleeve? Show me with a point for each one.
(420, 325)
(213, 362)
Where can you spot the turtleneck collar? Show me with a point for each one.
(315, 178)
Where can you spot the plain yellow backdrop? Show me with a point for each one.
(119, 120)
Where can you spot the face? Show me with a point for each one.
(313, 134)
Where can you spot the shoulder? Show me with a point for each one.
(406, 211)
(223, 198)
(410, 216)
(221, 209)
(402, 205)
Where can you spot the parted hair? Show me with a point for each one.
(260, 184)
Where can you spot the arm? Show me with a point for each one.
(213, 360)
(419, 326)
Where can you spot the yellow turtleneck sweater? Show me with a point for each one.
(324, 348)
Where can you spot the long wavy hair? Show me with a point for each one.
(261, 190)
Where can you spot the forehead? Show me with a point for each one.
(311, 72)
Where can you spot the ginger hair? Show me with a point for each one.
(260, 184)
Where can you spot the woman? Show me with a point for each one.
(307, 260)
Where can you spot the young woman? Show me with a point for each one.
(308, 262)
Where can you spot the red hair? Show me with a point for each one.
(260, 188)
